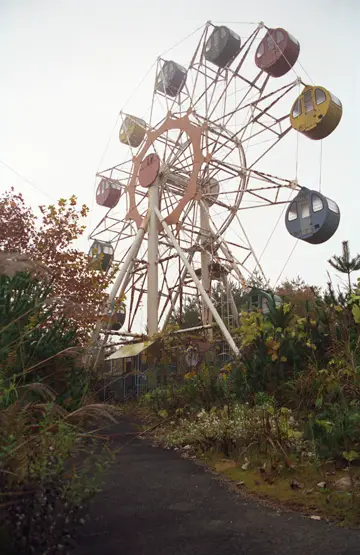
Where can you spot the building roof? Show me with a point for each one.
(130, 350)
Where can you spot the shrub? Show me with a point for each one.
(202, 389)
(273, 351)
(335, 429)
(35, 345)
(235, 429)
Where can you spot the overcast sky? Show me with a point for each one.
(68, 66)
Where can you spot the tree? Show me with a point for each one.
(190, 315)
(78, 287)
(344, 263)
(301, 295)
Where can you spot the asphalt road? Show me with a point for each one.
(156, 503)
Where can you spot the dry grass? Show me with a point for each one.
(93, 413)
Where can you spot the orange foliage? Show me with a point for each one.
(79, 288)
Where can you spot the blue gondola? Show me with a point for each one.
(312, 217)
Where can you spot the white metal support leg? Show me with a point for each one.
(153, 249)
(205, 270)
(205, 261)
(118, 289)
(199, 285)
(129, 261)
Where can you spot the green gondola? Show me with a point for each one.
(261, 300)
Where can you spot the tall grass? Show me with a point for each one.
(49, 449)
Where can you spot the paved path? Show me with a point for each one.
(156, 503)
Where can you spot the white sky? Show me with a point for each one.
(68, 66)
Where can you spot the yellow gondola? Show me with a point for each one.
(132, 131)
(316, 113)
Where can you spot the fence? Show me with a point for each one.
(139, 381)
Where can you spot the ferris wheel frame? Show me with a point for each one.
(205, 118)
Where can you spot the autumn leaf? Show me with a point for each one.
(48, 239)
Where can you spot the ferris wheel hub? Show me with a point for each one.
(149, 170)
(193, 132)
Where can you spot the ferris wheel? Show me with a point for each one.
(197, 162)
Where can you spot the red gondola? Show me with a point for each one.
(277, 52)
(108, 193)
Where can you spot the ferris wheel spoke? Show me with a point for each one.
(261, 197)
(259, 97)
(268, 150)
(233, 74)
(142, 202)
(221, 98)
(175, 149)
(269, 178)
(264, 128)
(240, 106)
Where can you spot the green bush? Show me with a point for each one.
(204, 389)
(307, 364)
(274, 350)
(335, 429)
(37, 342)
(32, 330)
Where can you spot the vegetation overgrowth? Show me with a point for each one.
(286, 413)
(283, 418)
(52, 452)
